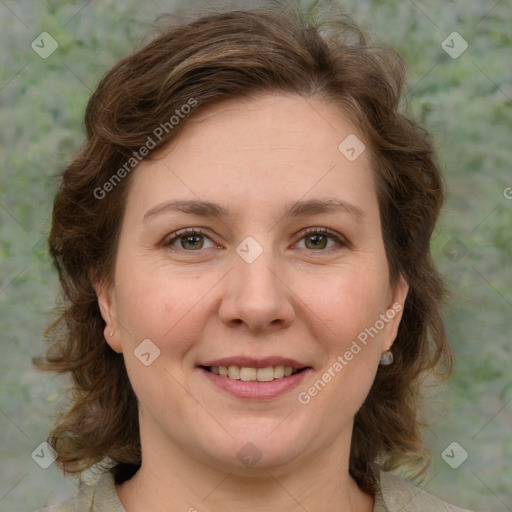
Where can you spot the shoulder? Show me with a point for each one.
(65, 506)
(400, 495)
(100, 496)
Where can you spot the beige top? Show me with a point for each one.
(395, 495)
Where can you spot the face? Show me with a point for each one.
(268, 280)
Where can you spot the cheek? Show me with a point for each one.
(351, 309)
(151, 307)
(351, 343)
(162, 306)
(351, 301)
(143, 302)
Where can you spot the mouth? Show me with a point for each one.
(251, 374)
(261, 383)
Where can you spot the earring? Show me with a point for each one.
(111, 333)
(386, 358)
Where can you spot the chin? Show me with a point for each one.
(264, 446)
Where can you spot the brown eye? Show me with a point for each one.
(188, 240)
(317, 239)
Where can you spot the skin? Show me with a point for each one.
(198, 302)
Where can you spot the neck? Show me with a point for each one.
(172, 479)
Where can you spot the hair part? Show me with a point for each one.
(221, 57)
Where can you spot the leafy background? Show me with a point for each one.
(465, 102)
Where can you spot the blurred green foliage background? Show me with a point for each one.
(465, 102)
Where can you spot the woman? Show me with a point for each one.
(243, 243)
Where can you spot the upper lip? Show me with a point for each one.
(252, 362)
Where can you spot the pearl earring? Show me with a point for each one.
(386, 358)
(111, 333)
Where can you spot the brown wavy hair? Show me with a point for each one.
(206, 60)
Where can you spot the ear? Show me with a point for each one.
(394, 311)
(107, 305)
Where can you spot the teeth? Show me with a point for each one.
(248, 373)
(234, 372)
(278, 372)
(266, 374)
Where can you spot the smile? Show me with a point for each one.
(247, 374)
(255, 383)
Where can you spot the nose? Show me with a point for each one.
(257, 296)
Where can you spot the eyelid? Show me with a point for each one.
(339, 238)
(180, 233)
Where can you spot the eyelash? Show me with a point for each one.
(342, 241)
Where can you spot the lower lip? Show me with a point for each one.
(254, 390)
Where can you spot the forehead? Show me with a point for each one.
(272, 120)
(255, 153)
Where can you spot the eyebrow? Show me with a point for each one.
(296, 209)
